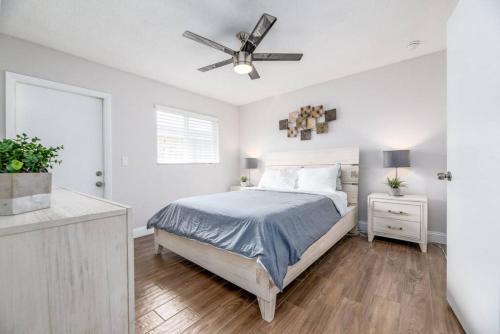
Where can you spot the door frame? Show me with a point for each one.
(12, 79)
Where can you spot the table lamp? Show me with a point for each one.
(250, 163)
(396, 159)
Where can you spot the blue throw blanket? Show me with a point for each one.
(274, 227)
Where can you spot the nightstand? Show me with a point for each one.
(403, 218)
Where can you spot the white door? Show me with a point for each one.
(474, 161)
(66, 118)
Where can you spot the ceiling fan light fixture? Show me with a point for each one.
(243, 68)
(242, 62)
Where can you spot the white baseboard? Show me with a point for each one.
(437, 237)
(362, 226)
(432, 236)
(142, 231)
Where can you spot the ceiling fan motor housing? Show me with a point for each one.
(242, 57)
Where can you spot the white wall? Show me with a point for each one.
(401, 106)
(473, 272)
(398, 106)
(144, 185)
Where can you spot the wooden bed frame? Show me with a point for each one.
(247, 273)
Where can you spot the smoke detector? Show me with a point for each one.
(414, 44)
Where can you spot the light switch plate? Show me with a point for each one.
(124, 161)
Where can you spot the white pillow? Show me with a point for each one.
(318, 179)
(279, 179)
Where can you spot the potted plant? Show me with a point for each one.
(244, 181)
(25, 181)
(395, 184)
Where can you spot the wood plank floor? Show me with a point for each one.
(356, 287)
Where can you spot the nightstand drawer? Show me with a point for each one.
(397, 211)
(407, 229)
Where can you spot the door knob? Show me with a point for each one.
(98, 173)
(444, 176)
(99, 184)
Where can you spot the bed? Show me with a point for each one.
(263, 269)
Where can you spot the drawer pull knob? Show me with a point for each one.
(397, 212)
(395, 228)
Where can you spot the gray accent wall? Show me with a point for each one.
(144, 185)
(400, 106)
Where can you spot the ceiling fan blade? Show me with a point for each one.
(259, 32)
(216, 65)
(276, 56)
(254, 74)
(207, 42)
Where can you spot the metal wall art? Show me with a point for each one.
(306, 120)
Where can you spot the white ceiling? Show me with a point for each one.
(337, 37)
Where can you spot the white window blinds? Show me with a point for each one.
(186, 137)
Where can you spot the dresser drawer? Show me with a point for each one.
(407, 229)
(399, 211)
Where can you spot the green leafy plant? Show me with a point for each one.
(244, 178)
(395, 182)
(27, 155)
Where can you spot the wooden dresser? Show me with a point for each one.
(68, 268)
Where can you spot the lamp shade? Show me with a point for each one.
(400, 158)
(251, 163)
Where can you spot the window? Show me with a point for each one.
(186, 137)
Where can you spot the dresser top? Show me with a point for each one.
(408, 198)
(67, 207)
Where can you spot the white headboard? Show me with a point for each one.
(348, 158)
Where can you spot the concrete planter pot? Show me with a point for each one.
(395, 192)
(24, 192)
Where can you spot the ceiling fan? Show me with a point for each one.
(242, 60)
